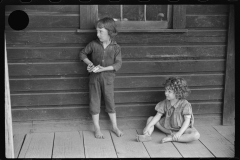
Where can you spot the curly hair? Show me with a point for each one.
(109, 24)
(178, 85)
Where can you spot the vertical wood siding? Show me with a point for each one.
(49, 83)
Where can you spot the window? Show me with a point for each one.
(135, 17)
(138, 16)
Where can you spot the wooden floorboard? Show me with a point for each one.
(18, 140)
(127, 145)
(25, 146)
(157, 149)
(41, 146)
(68, 145)
(227, 131)
(215, 142)
(98, 148)
(193, 149)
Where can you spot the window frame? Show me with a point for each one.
(89, 15)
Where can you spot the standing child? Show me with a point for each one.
(106, 60)
(177, 120)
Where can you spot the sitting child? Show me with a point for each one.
(177, 120)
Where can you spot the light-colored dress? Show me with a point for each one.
(173, 116)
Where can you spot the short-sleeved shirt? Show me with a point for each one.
(110, 56)
(173, 116)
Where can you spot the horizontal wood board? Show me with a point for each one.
(49, 83)
(66, 53)
(68, 16)
(68, 112)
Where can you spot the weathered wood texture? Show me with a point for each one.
(215, 142)
(85, 123)
(18, 140)
(49, 83)
(229, 96)
(156, 149)
(174, 149)
(228, 132)
(98, 148)
(40, 146)
(127, 145)
(68, 145)
(9, 148)
(193, 149)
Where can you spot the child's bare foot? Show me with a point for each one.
(167, 139)
(98, 134)
(144, 138)
(118, 132)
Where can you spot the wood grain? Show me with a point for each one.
(68, 145)
(18, 140)
(87, 124)
(228, 132)
(123, 110)
(157, 149)
(229, 92)
(40, 146)
(206, 21)
(193, 149)
(207, 9)
(133, 67)
(25, 146)
(127, 145)
(66, 52)
(98, 148)
(128, 96)
(121, 82)
(70, 36)
(215, 142)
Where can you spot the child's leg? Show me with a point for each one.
(98, 133)
(191, 134)
(113, 119)
(161, 128)
(108, 94)
(94, 104)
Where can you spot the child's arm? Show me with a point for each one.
(89, 63)
(183, 128)
(155, 119)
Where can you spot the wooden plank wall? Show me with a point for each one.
(49, 83)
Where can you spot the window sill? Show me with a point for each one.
(139, 30)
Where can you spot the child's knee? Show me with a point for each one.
(196, 135)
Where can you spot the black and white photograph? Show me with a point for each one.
(119, 80)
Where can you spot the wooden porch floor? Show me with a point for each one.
(215, 141)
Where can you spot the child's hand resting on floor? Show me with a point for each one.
(146, 130)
